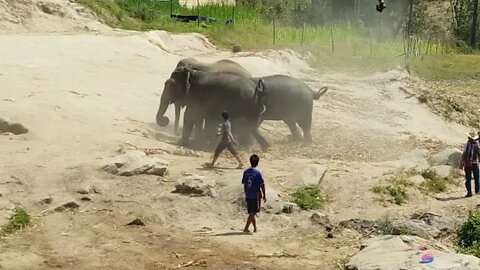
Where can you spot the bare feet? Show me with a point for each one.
(246, 232)
(209, 165)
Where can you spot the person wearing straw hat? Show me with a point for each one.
(469, 162)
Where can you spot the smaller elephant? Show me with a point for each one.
(290, 100)
(175, 95)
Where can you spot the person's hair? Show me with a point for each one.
(225, 115)
(254, 159)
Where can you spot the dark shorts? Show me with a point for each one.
(253, 206)
(225, 145)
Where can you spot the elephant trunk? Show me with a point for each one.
(161, 119)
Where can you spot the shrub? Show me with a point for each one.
(433, 182)
(468, 235)
(308, 198)
(18, 221)
(397, 194)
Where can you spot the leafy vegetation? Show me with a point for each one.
(18, 221)
(398, 194)
(433, 182)
(308, 198)
(468, 235)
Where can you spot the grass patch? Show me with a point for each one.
(308, 198)
(396, 194)
(18, 221)
(447, 67)
(433, 182)
(396, 190)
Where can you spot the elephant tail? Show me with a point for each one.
(320, 93)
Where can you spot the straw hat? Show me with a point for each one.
(472, 135)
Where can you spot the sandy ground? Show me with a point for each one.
(84, 95)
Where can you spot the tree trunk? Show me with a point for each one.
(473, 40)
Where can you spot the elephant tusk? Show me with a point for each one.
(264, 109)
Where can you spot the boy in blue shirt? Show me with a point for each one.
(254, 187)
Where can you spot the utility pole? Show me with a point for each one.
(473, 36)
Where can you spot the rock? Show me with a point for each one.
(449, 157)
(330, 235)
(414, 160)
(94, 190)
(86, 199)
(416, 179)
(111, 168)
(320, 219)
(47, 200)
(67, 206)
(196, 185)
(289, 208)
(136, 162)
(82, 191)
(367, 227)
(236, 48)
(445, 225)
(136, 222)
(404, 252)
(310, 175)
(274, 204)
(416, 228)
(14, 128)
(443, 171)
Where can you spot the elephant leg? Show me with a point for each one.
(260, 139)
(243, 133)
(306, 126)
(198, 130)
(178, 109)
(188, 123)
(292, 125)
(210, 131)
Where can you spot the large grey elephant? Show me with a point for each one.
(175, 95)
(288, 99)
(210, 93)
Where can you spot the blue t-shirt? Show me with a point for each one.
(252, 180)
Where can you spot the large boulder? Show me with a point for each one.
(196, 185)
(414, 160)
(415, 227)
(451, 157)
(445, 225)
(404, 252)
(443, 171)
(310, 175)
(136, 162)
(416, 179)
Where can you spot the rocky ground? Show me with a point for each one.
(109, 189)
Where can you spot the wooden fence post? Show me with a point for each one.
(274, 34)
(331, 36)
